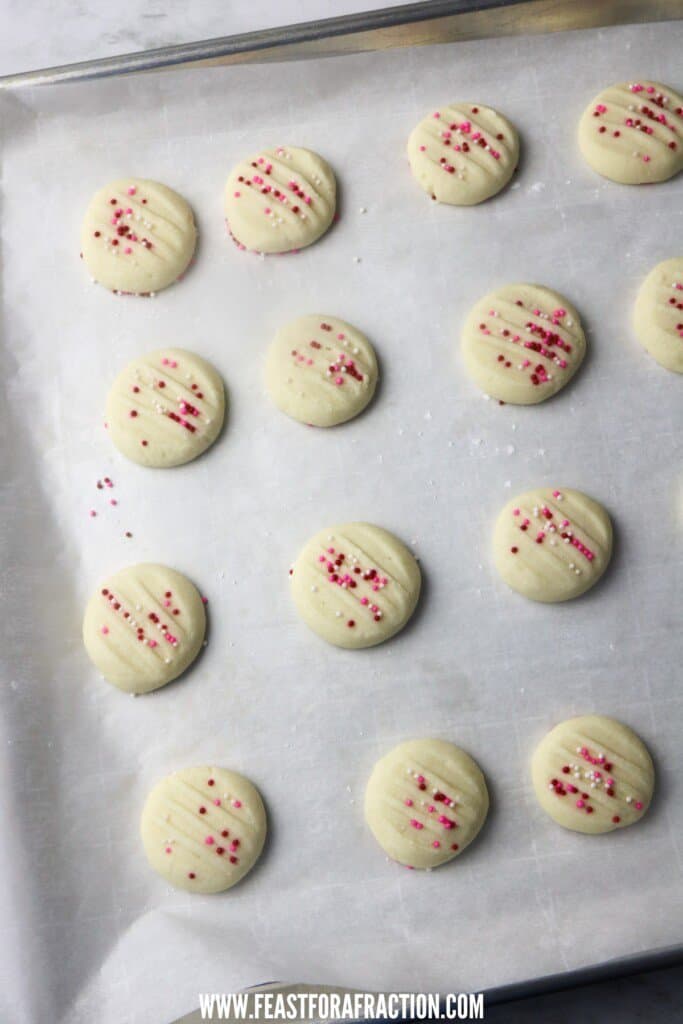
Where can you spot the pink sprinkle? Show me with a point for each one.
(169, 850)
(205, 600)
(153, 643)
(364, 600)
(113, 501)
(167, 603)
(237, 195)
(408, 802)
(638, 805)
(416, 824)
(217, 802)
(422, 149)
(92, 513)
(646, 158)
(237, 803)
(209, 840)
(105, 630)
(338, 381)
(132, 190)
(580, 803)
(128, 250)
(436, 844)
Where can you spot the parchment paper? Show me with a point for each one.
(89, 932)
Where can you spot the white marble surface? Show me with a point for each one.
(43, 34)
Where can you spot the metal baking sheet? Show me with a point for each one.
(430, 460)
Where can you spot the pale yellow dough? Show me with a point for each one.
(425, 802)
(633, 132)
(166, 408)
(203, 828)
(137, 237)
(280, 199)
(593, 774)
(144, 626)
(658, 314)
(552, 543)
(522, 343)
(463, 153)
(355, 585)
(321, 370)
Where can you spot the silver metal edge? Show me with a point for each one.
(251, 44)
(431, 21)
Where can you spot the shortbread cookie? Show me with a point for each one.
(166, 408)
(144, 626)
(280, 200)
(463, 153)
(522, 343)
(593, 774)
(425, 802)
(203, 828)
(552, 544)
(138, 236)
(633, 133)
(355, 585)
(321, 370)
(658, 314)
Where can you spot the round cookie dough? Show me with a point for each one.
(144, 626)
(463, 153)
(280, 200)
(321, 370)
(355, 585)
(166, 408)
(633, 133)
(137, 237)
(552, 544)
(593, 774)
(522, 343)
(203, 828)
(658, 314)
(425, 802)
